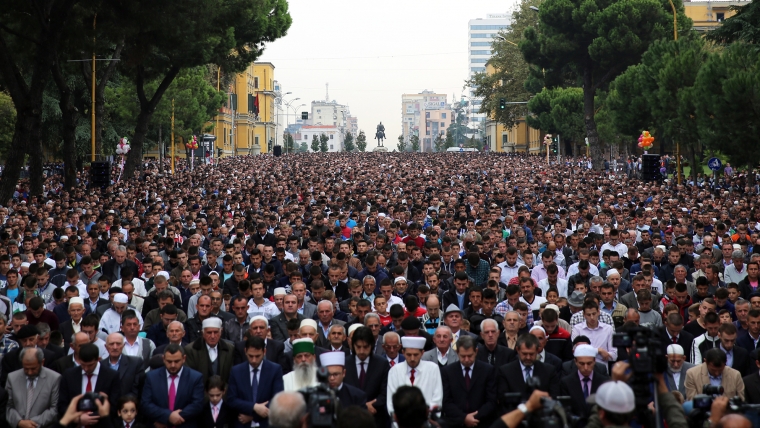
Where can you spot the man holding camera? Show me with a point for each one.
(714, 372)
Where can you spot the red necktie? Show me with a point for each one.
(127, 425)
(411, 378)
(467, 378)
(393, 363)
(675, 339)
(172, 392)
(89, 383)
(362, 375)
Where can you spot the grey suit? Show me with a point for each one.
(44, 400)
(324, 341)
(432, 356)
(309, 310)
(671, 383)
(279, 326)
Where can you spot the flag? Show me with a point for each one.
(256, 104)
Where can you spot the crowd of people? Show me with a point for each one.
(478, 283)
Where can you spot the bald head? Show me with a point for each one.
(115, 338)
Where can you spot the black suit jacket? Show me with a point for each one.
(279, 327)
(458, 400)
(503, 355)
(275, 352)
(11, 363)
(351, 396)
(71, 386)
(450, 297)
(131, 374)
(511, 379)
(685, 339)
(571, 386)
(375, 383)
(341, 290)
(63, 364)
(554, 361)
(752, 388)
(226, 418)
(108, 270)
(742, 361)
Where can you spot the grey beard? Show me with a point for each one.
(305, 373)
(671, 371)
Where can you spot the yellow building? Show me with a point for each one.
(520, 138)
(709, 14)
(250, 133)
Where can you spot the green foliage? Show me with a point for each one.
(303, 148)
(727, 113)
(348, 142)
(449, 138)
(558, 111)
(7, 121)
(289, 143)
(595, 41)
(743, 27)
(510, 70)
(314, 143)
(361, 141)
(401, 144)
(439, 143)
(414, 141)
(458, 129)
(323, 139)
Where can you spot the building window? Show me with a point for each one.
(331, 136)
(721, 16)
(427, 115)
(443, 115)
(504, 139)
(427, 132)
(488, 27)
(480, 44)
(256, 82)
(443, 124)
(482, 36)
(479, 60)
(257, 140)
(319, 110)
(331, 146)
(480, 52)
(305, 137)
(478, 69)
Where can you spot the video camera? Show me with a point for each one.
(322, 405)
(703, 405)
(553, 413)
(87, 402)
(646, 356)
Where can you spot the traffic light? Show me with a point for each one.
(269, 146)
(555, 144)
(502, 104)
(219, 152)
(304, 115)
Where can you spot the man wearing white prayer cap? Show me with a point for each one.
(675, 376)
(110, 322)
(76, 313)
(582, 382)
(209, 354)
(349, 395)
(304, 372)
(425, 375)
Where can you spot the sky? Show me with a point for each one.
(372, 52)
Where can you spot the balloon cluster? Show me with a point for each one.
(192, 144)
(646, 140)
(548, 139)
(122, 148)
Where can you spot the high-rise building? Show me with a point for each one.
(331, 113)
(481, 34)
(425, 115)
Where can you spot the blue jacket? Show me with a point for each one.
(240, 395)
(189, 398)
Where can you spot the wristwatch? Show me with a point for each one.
(523, 408)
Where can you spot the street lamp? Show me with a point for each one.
(534, 9)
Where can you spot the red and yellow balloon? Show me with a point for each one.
(646, 140)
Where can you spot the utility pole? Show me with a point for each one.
(172, 136)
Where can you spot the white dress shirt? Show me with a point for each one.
(212, 353)
(427, 377)
(93, 379)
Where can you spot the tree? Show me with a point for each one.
(323, 139)
(458, 128)
(303, 148)
(7, 119)
(744, 26)
(289, 143)
(439, 143)
(450, 138)
(361, 141)
(558, 111)
(596, 40)
(401, 146)
(163, 38)
(729, 93)
(348, 142)
(314, 143)
(414, 141)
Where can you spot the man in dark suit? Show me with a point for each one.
(349, 395)
(253, 384)
(543, 356)
(90, 376)
(76, 312)
(461, 282)
(279, 324)
(752, 383)
(275, 350)
(583, 382)
(71, 360)
(340, 288)
(512, 376)
(469, 388)
(490, 351)
(27, 338)
(263, 236)
(675, 376)
(171, 387)
(208, 354)
(112, 268)
(738, 357)
(131, 370)
(673, 334)
(369, 373)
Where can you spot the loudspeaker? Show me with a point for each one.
(650, 168)
(100, 174)
(277, 151)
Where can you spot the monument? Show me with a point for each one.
(380, 137)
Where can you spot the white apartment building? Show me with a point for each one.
(335, 144)
(481, 34)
